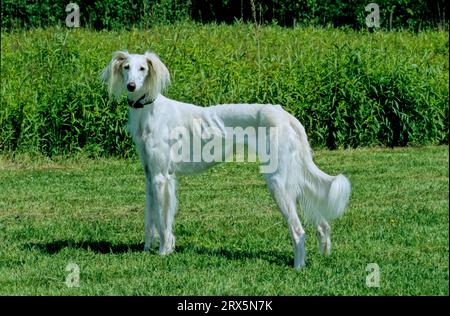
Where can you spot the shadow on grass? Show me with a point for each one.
(274, 257)
(105, 247)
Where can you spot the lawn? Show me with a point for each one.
(231, 240)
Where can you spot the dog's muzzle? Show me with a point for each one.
(131, 86)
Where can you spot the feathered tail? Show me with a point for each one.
(320, 195)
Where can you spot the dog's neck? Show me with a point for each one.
(139, 103)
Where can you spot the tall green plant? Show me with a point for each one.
(348, 88)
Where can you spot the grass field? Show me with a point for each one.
(230, 237)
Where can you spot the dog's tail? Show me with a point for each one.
(320, 195)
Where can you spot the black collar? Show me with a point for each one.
(137, 104)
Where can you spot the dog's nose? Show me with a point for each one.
(131, 86)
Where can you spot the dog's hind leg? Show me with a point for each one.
(287, 206)
(151, 233)
(165, 207)
(324, 238)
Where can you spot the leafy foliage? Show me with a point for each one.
(348, 88)
(119, 14)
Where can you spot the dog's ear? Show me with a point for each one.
(158, 78)
(112, 74)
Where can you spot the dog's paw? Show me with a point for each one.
(168, 246)
(166, 252)
(299, 267)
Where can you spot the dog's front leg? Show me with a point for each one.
(151, 234)
(164, 208)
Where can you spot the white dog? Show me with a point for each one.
(153, 118)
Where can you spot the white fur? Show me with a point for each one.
(296, 179)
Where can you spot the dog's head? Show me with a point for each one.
(137, 74)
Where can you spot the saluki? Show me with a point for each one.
(153, 118)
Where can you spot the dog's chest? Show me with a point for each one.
(144, 126)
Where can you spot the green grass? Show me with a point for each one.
(230, 237)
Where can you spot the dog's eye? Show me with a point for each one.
(126, 67)
(142, 69)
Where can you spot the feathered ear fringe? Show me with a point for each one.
(112, 74)
(158, 78)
